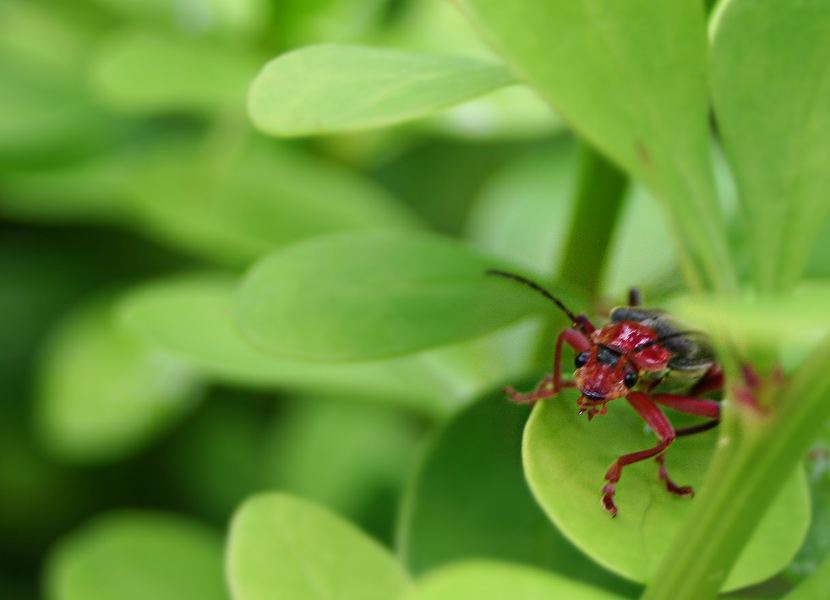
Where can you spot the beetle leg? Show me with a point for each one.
(553, 384)
(711, 381)
(671, 486)
(697, 407)
(543, 391)
(658, 422)
(635, 297)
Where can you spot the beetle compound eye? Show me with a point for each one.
(580, 359)
(630, 379)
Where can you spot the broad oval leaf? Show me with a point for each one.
(775, 122)
(492, 580)
(191, 317)
(143, 72)
(284, 547)
(135, 556)
(631, 78)
(104, 392)
(566, 458)
(469, 499)
(337, 88)
(358, 296)
(260, 198)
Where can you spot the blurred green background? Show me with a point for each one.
(126, 156)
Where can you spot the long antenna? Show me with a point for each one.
(536, 287)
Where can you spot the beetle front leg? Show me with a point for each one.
(552, 384)
(661, 426)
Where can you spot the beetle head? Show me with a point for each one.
(603, 374)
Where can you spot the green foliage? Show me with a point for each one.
(193, 312)
(281, 546)
(365, 296)
(775, 125)
(132, 555)
(649, 517)
(136, 393)
(490, 580)
(354, 87)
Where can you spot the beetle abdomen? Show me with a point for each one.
(692, 350)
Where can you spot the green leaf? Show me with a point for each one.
(631, 78)
(191, 317)
(141, 72)
(93, 189)
(761, 321)
(523, 210)
(358, 296)
(566, 458)
(817, 543)
(350, 457)
(338, 88)
(135, 556)
(234, 205)
(104, 393)
(492, 580)
(474, 461)
(771, 87)
(284, 547)
(815, 586)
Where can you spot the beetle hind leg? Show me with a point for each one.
(663, 475)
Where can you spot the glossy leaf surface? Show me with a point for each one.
(334, 88)
(358, 296)
(191, 317)
(492, 514)
(491, 580)
(566, 458)
(771, 87)
(284, 547)
(631, 78)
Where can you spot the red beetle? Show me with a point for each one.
(639, 349)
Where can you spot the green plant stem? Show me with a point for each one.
(756, 453)
(600, 191)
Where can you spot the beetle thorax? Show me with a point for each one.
(614, 363)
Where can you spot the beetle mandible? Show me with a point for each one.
(639, 349)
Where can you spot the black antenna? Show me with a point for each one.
(536, 287)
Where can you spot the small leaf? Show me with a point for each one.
(775, 121)
(104, 392)
(630, 77)
(142, 72)
(358, 296)
(260, 197)
(284, 547)
(566, 458)
(136, 556)
(492, 580)
(801, 316)
(474, 461)
(337, 88)
(191, 317)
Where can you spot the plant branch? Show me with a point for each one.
(600, 191)
(756, 454)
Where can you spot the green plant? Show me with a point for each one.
(347, 297)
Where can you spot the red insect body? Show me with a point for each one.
(639, 348)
